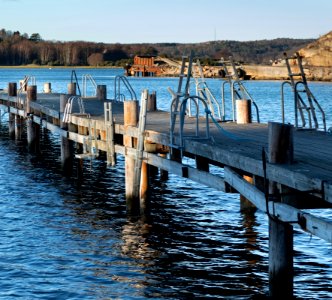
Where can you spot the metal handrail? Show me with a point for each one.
(118, 96)
(283, 99)
(69, 108)
(204, 92)
(299, 103)
(73, 78)
(240, 92)
(85, 79)
(182, 115)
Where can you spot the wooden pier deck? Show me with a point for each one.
(236, 150)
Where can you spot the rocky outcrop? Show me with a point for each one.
(318, 53)
(316, 59)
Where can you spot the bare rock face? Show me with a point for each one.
(316, 59)
(318, 53)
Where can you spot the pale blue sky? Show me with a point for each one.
(134, 21)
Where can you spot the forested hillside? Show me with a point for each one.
(21, 49)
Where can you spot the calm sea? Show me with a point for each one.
(63, 238)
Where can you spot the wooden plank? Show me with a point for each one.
(295, 176)
(178, 169)
(45, 110)
(52, 127)
(317, 226)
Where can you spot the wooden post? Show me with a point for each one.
(31, 96)
(101, 92)
(109, 125)
(152, 102)
(245, 204)
(144, 186)
(71, 88)
(11, 126)
(47, 88)
(12, 89)
(243, 111)
(66, 156)
(141, 181)
(33, 135)
(280, 234)
(18, 127)
(202, 163)
(33, 129)
(130, 109)
(281, 149)
(163, 173)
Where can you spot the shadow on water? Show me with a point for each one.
(193, 244)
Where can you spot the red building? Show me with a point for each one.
(144, 65)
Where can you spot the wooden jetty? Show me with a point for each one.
(278, 169)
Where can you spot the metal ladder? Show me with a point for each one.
(238, 90)
(179, 107)
(203, 91)
(182, 92)
(118, 96)
(85, 79)
(297, 79)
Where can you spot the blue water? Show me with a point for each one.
(62, 238)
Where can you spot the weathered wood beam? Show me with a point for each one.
(293, 176)
(315, 225)
(177, 168)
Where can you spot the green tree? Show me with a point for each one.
(35, 37)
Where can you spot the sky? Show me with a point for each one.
(158, 21)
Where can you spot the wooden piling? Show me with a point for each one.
(47, 88)
(18, 127)
(33, 135)
(243, 111)
(245, 204)
(101, 92)
(71, 88)
(281, 149)
(144, 186)
(66, 155)
(202, 163)
(12, 89)
(109, 136)
(163, 173)
(11, 126)
(31, 96)
(152, 102)
(130, 109)
(33, 129)
(280, 137)
(141, 179)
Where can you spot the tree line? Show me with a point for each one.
(18, 49)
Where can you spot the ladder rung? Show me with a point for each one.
(295, 74)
